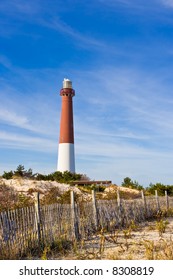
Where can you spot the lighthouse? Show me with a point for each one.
(66, 157)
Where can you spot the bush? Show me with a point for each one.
(19, 172)
(97, 188)
(61, 177)
(128, 183)
(8, 175)
(51, 196)
(160, 189)
(8, 197)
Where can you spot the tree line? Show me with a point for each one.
(62, 177)
(161, 188)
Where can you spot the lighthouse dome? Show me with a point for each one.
(67, 83)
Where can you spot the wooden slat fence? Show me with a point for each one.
(31, 227)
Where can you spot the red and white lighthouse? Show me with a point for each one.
(66, 157)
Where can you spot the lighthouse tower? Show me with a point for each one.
(66, 158)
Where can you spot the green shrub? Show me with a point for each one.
(8, 175)
(128, 183)
(161, 188)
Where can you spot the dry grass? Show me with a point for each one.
(149, 241)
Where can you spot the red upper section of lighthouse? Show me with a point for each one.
(66, 123)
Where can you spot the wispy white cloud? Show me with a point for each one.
(5, 61)
(111, 157)
(13, 118)
(30, 143)
(34, 111)
(17, 7)
(144, 8)
(34, 12)
(168, 3)
(135, 4)
(115, 2)
(137, 98)
(64, 28)
(81, 39)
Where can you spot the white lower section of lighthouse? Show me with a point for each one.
(66, 160)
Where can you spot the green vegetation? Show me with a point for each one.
(89, 188)
(19, 172)
(61, 177)
(8, 175)
(161, 226)
(161, 188)
(128, 183)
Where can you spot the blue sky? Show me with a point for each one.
(119, 56)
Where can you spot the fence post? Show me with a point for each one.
(95, 212)
(144, 202)
(167, 200)
(120, 209)
(157, 201)
(38, 215)
(74, 222)
(118, 198)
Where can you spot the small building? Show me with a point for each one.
(89, 183)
